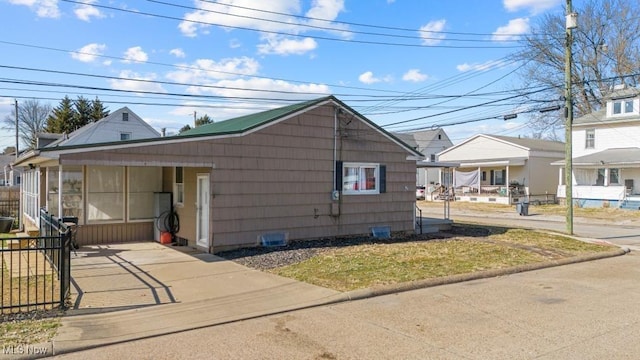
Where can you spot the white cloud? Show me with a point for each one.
(205, 71)
(430, 33)
(89, 53)
(222, 15)
(414, 75)
(177, 52)
(281, 46)
(534, 6)
(487, 65)
(85, 11)
(228, 17)
(135, 54)
(511, 31)
(43, 8)
(368, 78)
(128, 82)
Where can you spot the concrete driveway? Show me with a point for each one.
(120, 276)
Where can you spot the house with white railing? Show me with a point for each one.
(503, 169)
(606, 153)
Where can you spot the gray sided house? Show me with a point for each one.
(310, 170)
(429, 143)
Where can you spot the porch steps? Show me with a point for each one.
(19, 243)
(630, 205)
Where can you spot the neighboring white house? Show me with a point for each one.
(429, 143)
(43, 169)
(606, 153)
(119, 125)
(504, 169)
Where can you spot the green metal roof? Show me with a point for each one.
(248, 122)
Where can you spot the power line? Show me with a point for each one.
(358, 24)
(138, 13)
(184, 67)
(319, 27)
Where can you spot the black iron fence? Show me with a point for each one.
(36, 270)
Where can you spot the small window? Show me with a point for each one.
(628, 106)
(439, 136)
(433, 157)
(617, 107)
(125, 136)
(622, 107)
(590, 139)
(125, 116)
(484, 176)
(178, 187)
(360, 178)
(614, 176)
(600, 178)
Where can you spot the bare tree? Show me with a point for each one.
(606, 51)
(32, 118)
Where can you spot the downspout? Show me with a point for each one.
(335, 194)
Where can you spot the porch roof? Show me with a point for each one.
(615, 157)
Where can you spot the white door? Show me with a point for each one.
(202, 211)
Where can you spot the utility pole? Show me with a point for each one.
(194, 119)
(571, 23)
(16, 103)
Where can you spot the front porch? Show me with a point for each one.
(597, 196)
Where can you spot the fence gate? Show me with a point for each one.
(36, 270)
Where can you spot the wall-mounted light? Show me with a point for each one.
(31, 166)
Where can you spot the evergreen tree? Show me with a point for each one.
(98, 110)
(83, 112)
(61, 117)
(203, 120)
(184, 128)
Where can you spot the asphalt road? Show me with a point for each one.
(580, 311)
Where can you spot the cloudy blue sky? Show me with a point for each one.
(404, 64)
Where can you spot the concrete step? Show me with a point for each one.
(630, 205)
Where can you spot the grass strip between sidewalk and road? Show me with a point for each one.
(370, 265)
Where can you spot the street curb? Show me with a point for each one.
(420, 284)
(358, 295)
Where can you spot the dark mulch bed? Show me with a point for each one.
(264, 258)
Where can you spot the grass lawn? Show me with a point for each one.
(28, 331)
(368, 265)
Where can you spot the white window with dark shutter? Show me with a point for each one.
(363, 178)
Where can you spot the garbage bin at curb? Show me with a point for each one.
(522, 208)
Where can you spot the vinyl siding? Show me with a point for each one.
(280, 178)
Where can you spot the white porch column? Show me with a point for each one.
(60, 214)
(560, 177)
(506, 180)
(479, 179)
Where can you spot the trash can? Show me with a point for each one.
(522, 208)
(6, 223)
(72, 223)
